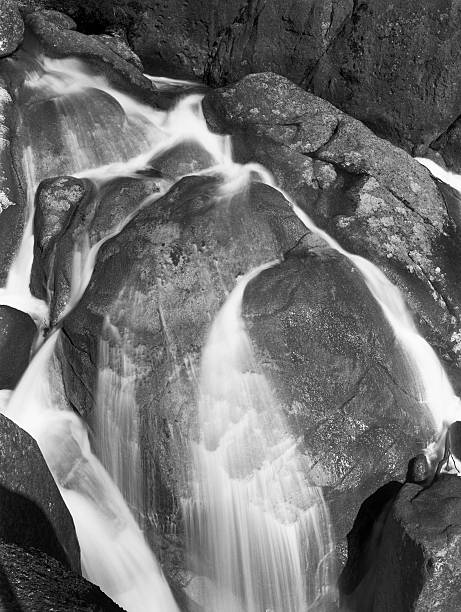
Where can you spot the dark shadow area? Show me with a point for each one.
(365, 536)
(8, 600)
(23, 523)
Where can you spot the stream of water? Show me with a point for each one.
(259, 531)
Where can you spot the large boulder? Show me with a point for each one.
(11, 27)
(410, 560)
(144, 319)
(32, 511)
(32, 581)
(17, 333)
(338, 375)
(370, 195)
(392, 67)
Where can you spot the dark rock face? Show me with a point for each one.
(17, 332)
(32, 581)
(33, 513)
(414, 563)
(390, 67)
(11, 27)
(336, 371)
(371, 196)
(12, 202)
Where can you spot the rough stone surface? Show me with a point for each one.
(121, 48)
(413, 562)
(391, 66)
(55, 203)
(59, 42)
(12, 202)
(17, 332)
(31, 581)
(33, 513)
(96, 215)
(370, 195)
(11, 27)
(338, 375)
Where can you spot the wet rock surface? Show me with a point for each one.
(412, 563)
(323, 343)
(32, 581)
(372, 197)
(33, 513)
(152, 297)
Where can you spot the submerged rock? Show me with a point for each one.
(32, 511)
(32, 581)
(412, 563)
(17, 333)
(11, 27)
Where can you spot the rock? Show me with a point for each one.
(32, 581)
(33, 513)
(414, 563)
(121, 48)
(97, 214)
(284, 37)
(59, 19)
(391, 66)
(59, 42)
(11, 27)
(12, 202)
(311, 319)
(55, 202)
(146, 313)
(370, 195)
(17, 332)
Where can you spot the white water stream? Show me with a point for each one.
(259, 529)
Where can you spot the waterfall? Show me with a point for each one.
(261, 530)
(115, 555)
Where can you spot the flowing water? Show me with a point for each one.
(259, 531)
(263, 529)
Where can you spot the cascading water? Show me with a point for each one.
(261, 530)
(114, 553)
